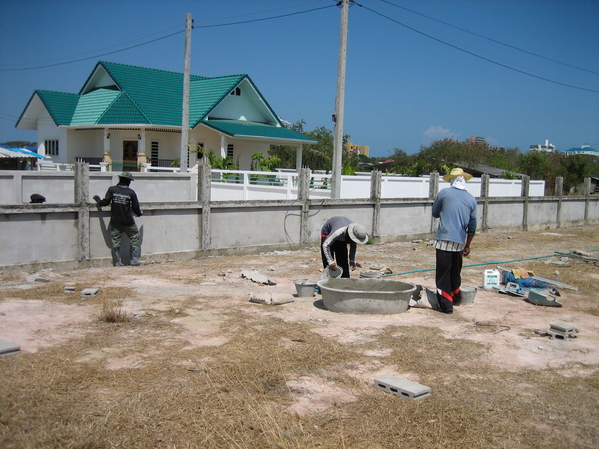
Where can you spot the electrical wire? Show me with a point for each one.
(476, 55)
(490, 39)
(95, 51)
(93, 57)
(479, 50)
(170, 35)
(265, 18)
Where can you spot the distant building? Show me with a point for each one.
(547, 148)
(585, 149)
(358, 149)
(474, 140)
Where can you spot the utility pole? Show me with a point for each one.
(340, 103)
(185, 114)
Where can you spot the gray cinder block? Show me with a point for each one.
(8, 348)
(89, 292)
(562, 331)
(402, 387)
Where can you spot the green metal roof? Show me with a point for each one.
(119, 94)
(61, 106)
(242, 128)
(92, 106)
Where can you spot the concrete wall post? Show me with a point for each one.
(204, 188)
(559, 192)
(587, 198)
(83, 220)
(525, 193)
(433, 190)
(484, 193)
(303, 195)
(376, 179)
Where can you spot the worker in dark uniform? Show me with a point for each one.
(123, 204)
(335, 235)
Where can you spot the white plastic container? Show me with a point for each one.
(490, 278)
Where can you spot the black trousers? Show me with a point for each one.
(448, 278)
(340, 253)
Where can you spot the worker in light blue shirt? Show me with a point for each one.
(456, 209)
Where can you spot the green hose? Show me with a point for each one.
(484, 263)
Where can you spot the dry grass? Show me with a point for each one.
(113, 313)
(236, 395)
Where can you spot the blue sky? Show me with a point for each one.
(407, 83)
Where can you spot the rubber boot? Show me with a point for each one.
(134, 255)
(116, 257)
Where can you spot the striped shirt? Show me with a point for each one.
(446, 245)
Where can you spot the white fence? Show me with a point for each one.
(232, 185)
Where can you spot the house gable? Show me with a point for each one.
(59, 106)
(244, 102)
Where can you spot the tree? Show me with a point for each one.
(19, 144)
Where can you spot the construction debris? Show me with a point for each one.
(257, 277)
(272, 298)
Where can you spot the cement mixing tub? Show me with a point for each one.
(375, 296)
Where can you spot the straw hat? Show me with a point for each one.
(455, 173)
(126, 175)
(357, 233)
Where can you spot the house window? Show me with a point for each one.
(230, 151)
(51, 147)
(236, 91)
(154, 154)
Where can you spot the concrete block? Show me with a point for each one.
(89, 292)
(561, 331)
(8, 348)
(402, 387)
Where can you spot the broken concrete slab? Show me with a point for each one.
(7, 348)
(259, 278)
(272, 298)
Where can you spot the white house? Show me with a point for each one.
(126, 116)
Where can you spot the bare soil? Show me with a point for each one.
(197, 365)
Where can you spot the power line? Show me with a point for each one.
(265, 18)
(95, 51)
(172, 34)
(475, 55)
(93, 57)
(492, 40)
(481, 51)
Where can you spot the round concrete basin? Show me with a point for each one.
(374, 296)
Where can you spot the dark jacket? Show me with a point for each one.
(123, 204)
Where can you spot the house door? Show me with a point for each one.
(130, 155)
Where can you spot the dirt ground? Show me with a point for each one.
(199, 365)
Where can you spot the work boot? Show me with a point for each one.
(134, 255)
(116, 257)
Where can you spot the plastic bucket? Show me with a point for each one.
(305, 288)
(468, 294)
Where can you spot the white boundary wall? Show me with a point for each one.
(233, 185)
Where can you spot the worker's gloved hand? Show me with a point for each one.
(97, 199)
(140, 214)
